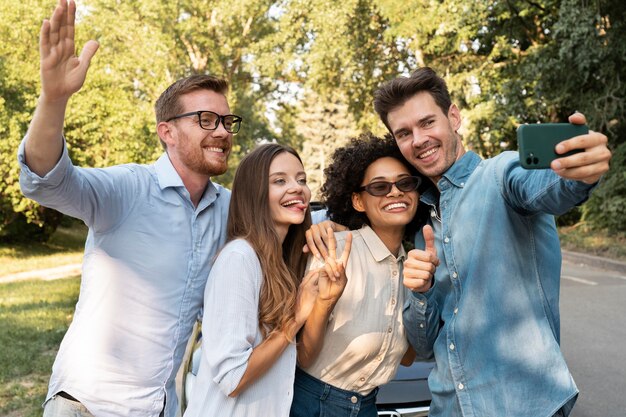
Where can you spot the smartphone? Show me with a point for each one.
(537, 142)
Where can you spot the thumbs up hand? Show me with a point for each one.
(420, 265)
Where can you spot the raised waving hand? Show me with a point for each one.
(62, 72)
(420, 265)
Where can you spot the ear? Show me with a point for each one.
(357, 203)
(454, 116)
(166, 133)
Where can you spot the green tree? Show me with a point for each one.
(323, 126)
(516, 62)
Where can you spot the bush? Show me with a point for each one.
(18, 229)
(606, 209)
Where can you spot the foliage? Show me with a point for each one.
(323, 128)
(34, 315)
(606, 208)
(583, 238)
(293, 63)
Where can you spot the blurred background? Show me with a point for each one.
(303, 72)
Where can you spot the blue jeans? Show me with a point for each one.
(315, 398)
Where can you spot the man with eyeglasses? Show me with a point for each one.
(485, 299)
(153, 232)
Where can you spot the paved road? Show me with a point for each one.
(593, 338)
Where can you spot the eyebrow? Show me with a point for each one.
(284, 173)
(381, 178)
(419, 122)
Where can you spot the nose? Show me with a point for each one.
(395, 191)
(295, 187)
(220, 132)
(418, 138)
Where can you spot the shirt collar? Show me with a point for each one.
(456, 175)
(166, 173)
(460, 171)
(376, 246)
(168, 177)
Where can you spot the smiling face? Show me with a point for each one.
(426, 136)
(289, 195)
(196, 150)
(394, 210)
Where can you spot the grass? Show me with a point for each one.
(34, 315)
(65, 247)
(580, 238)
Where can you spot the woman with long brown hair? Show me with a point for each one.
(255, 299)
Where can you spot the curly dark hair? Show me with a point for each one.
(346, 172)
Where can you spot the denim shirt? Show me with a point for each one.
(147, 257)
(491, 319)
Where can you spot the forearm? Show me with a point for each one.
(421, 321)
(44, 142)
(264, 356)
(311, 338)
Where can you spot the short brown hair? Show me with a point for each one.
(396, 92)
(168, 104)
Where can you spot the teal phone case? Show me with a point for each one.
(537, 142)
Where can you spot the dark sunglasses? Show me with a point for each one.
(209, 120)
(380, 188)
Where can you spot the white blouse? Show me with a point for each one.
(230, 330)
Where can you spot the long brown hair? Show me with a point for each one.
(250, 218)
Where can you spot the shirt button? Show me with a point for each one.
(379, 358)
(420, 302)
(461, 386)
(389, 330)
(394, 273)
(421, 325)
(393, 301)
(447, 239)
(451, 346)
(362, 379)
(354, 399)
(456, 310)
(454, 275)
(433, 213)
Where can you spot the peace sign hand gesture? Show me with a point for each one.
(332, 279)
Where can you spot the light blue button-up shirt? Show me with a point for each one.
(147, 257)
(492, 318)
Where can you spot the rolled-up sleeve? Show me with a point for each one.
(230, 325)
(100, 197)
(31, 182)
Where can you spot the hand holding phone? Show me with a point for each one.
(537, 142)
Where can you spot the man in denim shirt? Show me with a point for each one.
(486, 286)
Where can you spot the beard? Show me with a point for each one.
(197, 159)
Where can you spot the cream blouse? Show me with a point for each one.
(365, 338)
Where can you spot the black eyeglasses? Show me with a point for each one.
(380, 188)
(209, 120)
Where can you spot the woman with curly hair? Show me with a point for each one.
(354, 339)
(255, 300)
